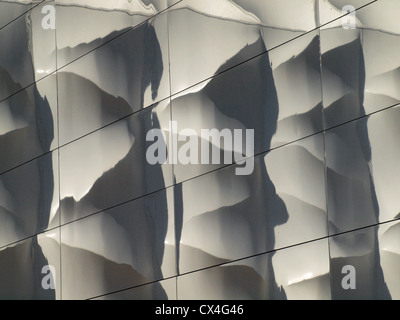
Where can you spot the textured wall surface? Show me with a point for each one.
(320, 87)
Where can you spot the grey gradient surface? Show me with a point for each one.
(76, 189)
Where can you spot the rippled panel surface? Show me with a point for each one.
(224, 33)
(300, 272)
(225, 217)
(123, 76)
(24, 268)
(28, 123)
(297, 79)
(374, 254)
(109, 166)
(124, 247)
(16, 71)
(242, 98)
(255, 96)
(384, 133)
(360, 66)
(362, 171)
(29, 199)
(161, 290)
(351, 196)
(30, 53)
(79, 30)
(315, 198)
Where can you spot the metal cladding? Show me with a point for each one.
(305, 94)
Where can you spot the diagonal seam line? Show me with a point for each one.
(206, 79)
(220, 167)
(245, 258)
(22, 14)
(93, 49)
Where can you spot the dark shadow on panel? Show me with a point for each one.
(21, 272)
(131, 177)
(247, 93)
(347, 62)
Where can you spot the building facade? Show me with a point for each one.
(85, 85)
